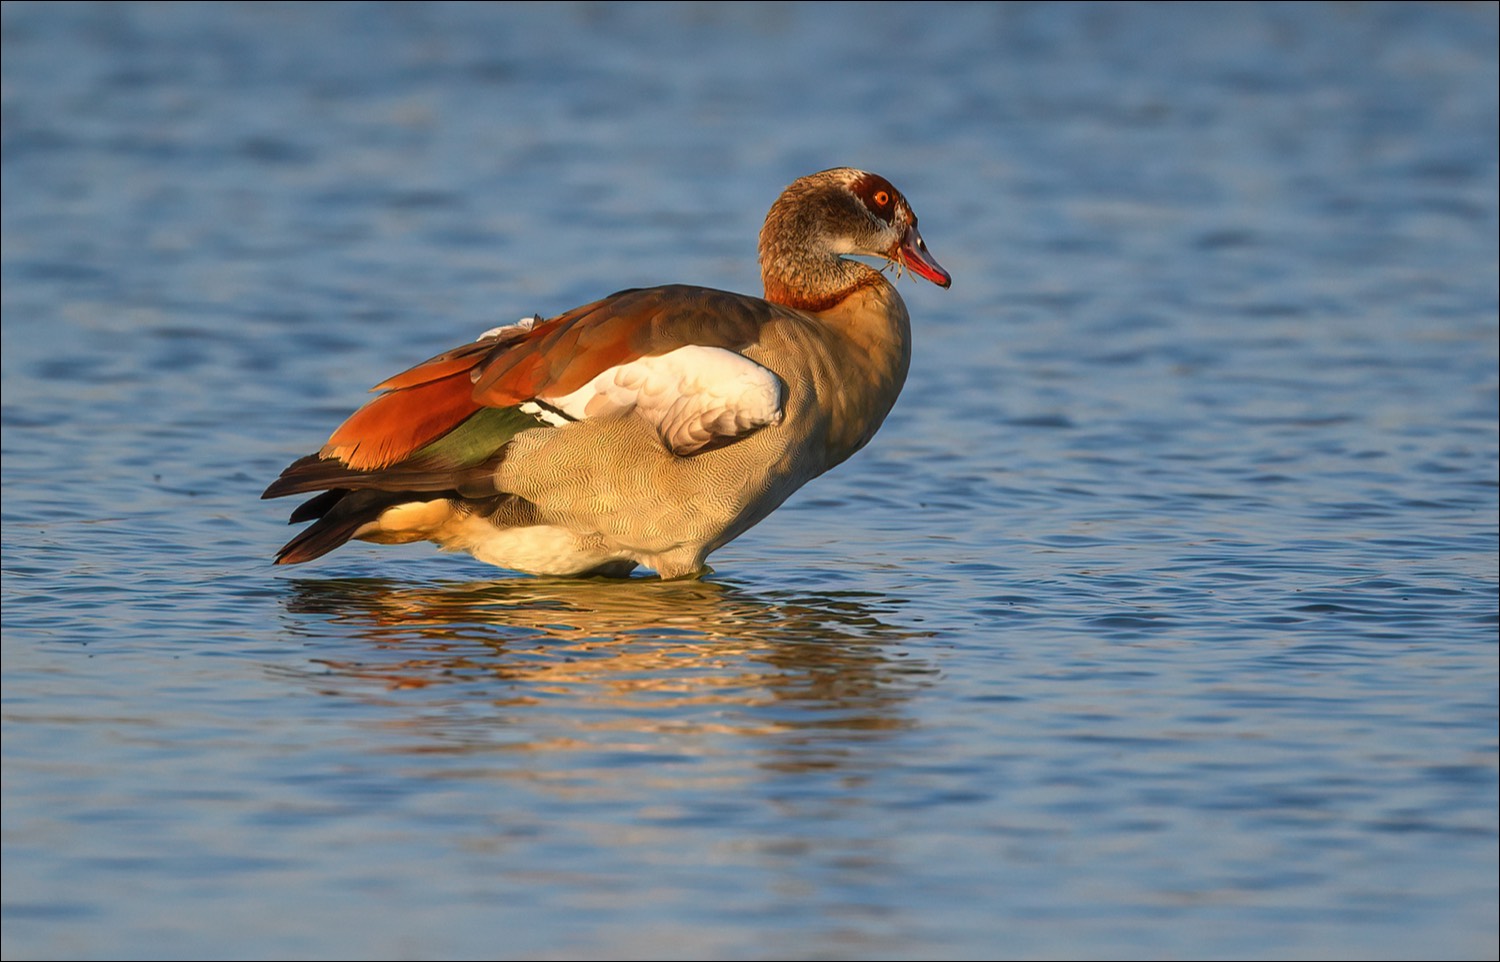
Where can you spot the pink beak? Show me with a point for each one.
(913, 253)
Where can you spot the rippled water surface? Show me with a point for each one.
(1159, 621)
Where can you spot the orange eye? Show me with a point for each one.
(882, 198)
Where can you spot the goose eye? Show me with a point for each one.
(882, 198)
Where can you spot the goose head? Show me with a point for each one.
(821, 220)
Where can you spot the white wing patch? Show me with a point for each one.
(693, 396)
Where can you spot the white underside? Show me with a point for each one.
(535, 549)
(538, 550)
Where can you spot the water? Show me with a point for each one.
(1159, 621)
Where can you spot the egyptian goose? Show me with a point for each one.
(648, 428)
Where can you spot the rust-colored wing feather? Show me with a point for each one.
(449, 362)
(553, 359)
(570, 350)
(395, 424)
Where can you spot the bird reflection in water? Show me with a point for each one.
(586, 656)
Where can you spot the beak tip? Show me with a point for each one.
(914, 254)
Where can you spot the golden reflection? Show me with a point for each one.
(639, 655)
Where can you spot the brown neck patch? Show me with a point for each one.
(815, 304)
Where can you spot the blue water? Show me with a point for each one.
(1159, 621)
